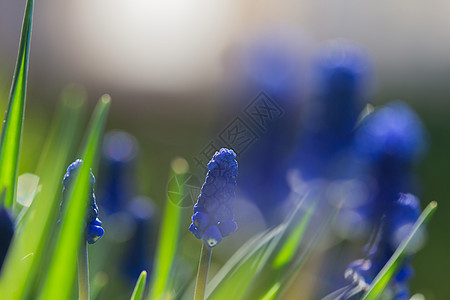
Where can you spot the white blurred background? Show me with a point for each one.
(175, 46)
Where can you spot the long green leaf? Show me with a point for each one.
(66, 127)
(168, 240)
(12, 125)
(293, 240)
(287, 274)
(236, 283)
(61, 274)
(30, 243)
(139, 288)
(250, 250)
(269, 256)
(381, 281)
(272, 292)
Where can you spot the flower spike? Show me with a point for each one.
(213, 212)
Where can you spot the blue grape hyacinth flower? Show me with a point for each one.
(94, 231)
(268, 71)
(117, 187)
(342, 72)
(390, 140)
(213, 212)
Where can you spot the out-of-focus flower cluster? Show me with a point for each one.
(333, 145)
(132, 220)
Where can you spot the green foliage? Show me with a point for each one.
(59, 280)
(258, 269)
(139, 288)
(382, 280)
(167, 242)
(12, 126)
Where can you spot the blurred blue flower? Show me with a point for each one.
(271, 63)
(390, 140)
(93, 230)
(6, 233)
(404, 213)
(341, 72)
(213, 212)
(140, 248)
(393, 132)
(117, 186)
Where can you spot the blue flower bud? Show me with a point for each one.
(405, 210)
(227, 228)
(93, 229)
(394, 131)
(213, 212)
(200, 220)
(212, 236)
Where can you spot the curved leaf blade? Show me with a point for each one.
(168, 239)
(12, 125)
(139, 288)
(18, 273)
(382, 279)
(61, 274)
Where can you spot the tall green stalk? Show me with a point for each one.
(202, 274)
(83, 272)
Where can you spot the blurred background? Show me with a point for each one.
(175, 71)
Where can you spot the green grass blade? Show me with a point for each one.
(69, 117)
(382, 279)
(12, 125)
(287, 274)
(272, 292)
(272, 277)
(139, 288)
(62, 269)
(290, 247)
(267, 258)
(28, 247)
(236, 276)
(235, 286)
(168, 240)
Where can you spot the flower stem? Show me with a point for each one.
(202, 274)
(83, 272)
